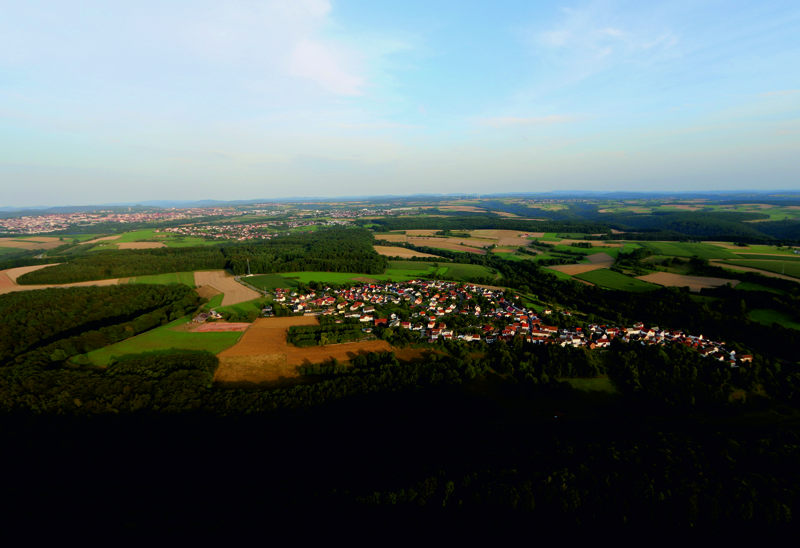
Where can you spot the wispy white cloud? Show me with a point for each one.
(379, 125)
(782, 92)
(509, 121)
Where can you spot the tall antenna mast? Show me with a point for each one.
(248, 267)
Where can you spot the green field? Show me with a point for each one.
(186, 278)
(571, 249)
(170, 240)
(572, 235)
(7, 250)
(549, 237)
(779, 267)
(750, 286)
(214, 302)
(676, 249)
(599, 384)
(769, 249)
(270, 282)
(163, 339)
(768, 317)
(755, 256)
(464, 271)
(242, 309)
(411, 265)
(558, 274)
(614, 280)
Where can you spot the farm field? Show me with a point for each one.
(165, 239)
(270, 282)
(390, 251)
(186, 278)
(165, 339)
(262, 355)
(675, 249)
(390, 237)
(776, 257)
(242, 309)
(575, 269)
(768, 317)
(767, 250)
(224, 283)
(695, 283)
(750, 286)
(614, 280)
(779, 267)
(140, 245)
(453, 247)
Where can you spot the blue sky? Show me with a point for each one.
(126, 101)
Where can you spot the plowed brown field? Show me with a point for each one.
(443, 244)
(390, 251)
(598, 258)
(695, 283)
(573, 269)
(391, 237)
(140, 245)
(262, 355)
(223, 282)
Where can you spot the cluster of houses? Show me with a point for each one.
(432, 302)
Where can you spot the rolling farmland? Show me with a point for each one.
(673, 249)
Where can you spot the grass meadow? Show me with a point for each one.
(768, 317)
(163, 339)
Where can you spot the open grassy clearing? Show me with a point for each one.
(768, 317)
(186, 278)
(677, 249)
(242, 309)
(614, 280)
(558, 274)
(7, 250)
(750, 286)
(598, 384)
(170, 240)
(214, 302)
(165, 339)
(779, 267)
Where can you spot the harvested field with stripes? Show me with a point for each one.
(140, 245)
(223, 282)
(262, 355)
(391, 237)
(695, 283)
(390, 251)
(573, 269)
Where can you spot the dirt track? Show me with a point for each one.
(262, 355)
(223, 282)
